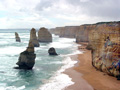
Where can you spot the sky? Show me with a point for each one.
(56, 13)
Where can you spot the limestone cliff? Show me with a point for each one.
(70, 31)
(104, 41)
(67, 31)
(17, 37)
(83, 33)
(56, 30)
(44, 35)
(33, 38)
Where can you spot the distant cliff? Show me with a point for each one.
(81, 33)
(104, 42)
(56, 31)
(67, 31)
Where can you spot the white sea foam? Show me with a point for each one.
(60, 45)
(12, 88)
(66, 40)
(53, 35)
(76, 52)
(11, 50)
(3, 42)
(60, 80)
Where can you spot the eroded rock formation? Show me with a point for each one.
(17, 37)
(52, 51)
(44, 35)
(27, 58)
(33, 38)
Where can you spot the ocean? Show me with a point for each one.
(47, 72)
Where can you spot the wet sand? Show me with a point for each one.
(86, 77)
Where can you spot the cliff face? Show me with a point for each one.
(69, 31)
(104, 41)
(57, 30)
(79, 32)
(83, 33)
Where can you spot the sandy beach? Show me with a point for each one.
(86, 77)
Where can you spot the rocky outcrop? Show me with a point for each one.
(27, 58)
(52, 51)
(17, 37)
(33, 38)
(44, 35)
(104, 41)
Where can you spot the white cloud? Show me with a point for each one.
(51, 13)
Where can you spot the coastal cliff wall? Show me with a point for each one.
(56, 30)
(83, 33)
(67, 31)
(104, 41)
(79, 32)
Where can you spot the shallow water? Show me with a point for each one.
(47, 72)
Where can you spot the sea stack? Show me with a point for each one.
(27, 58)
(44, 35)
(17, 37)
(33, 38)
(52, 51)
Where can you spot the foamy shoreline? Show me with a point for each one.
(60, 80)
(86, 77)
(79, 82)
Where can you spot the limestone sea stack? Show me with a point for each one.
(52, 51)
(44, 35)
(27, 58)
(33, 38)
(17, 37)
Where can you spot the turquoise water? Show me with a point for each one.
(45, 67)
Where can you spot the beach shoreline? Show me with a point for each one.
(86, 77)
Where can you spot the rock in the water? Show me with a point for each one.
(33, 38)
(27, 58)
(44, 35)
(52, 51)
(17, 37)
